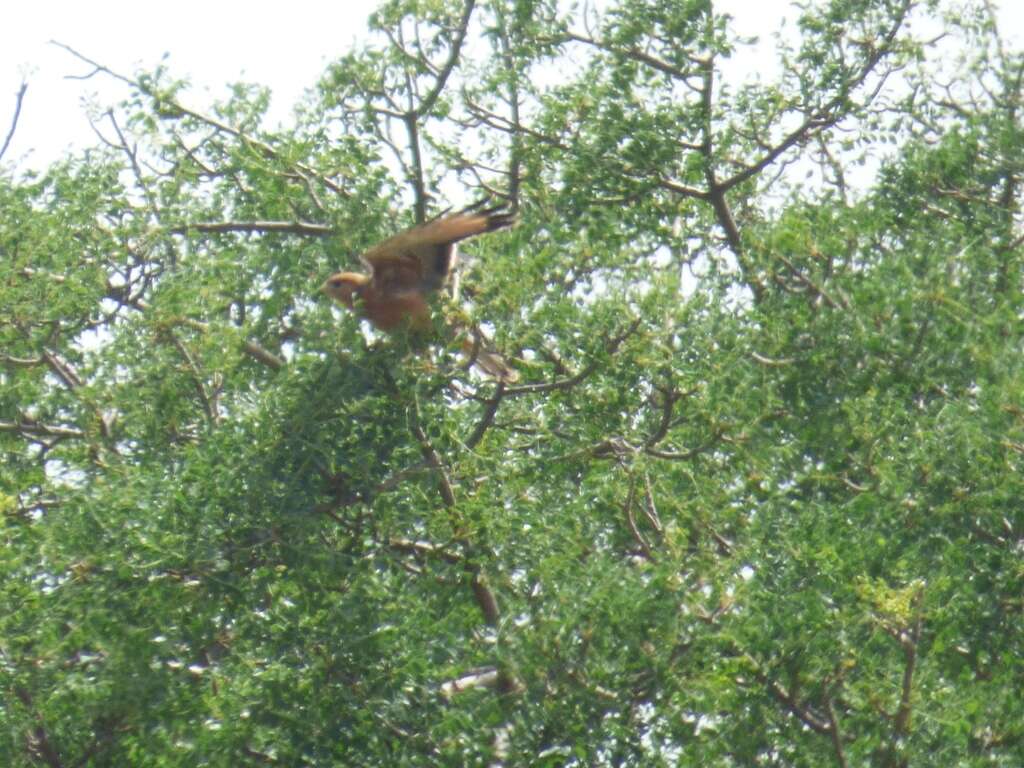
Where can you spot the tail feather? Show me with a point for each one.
(498, 218)
(459, 226)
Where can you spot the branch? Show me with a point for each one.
(286, 227)
(418, 186)
(636, 55)
(209, 399)
(258, 353)
(62, 369)
(20, 362)
(516, 139)
(631, 520)
(482, 677)
(837, 736)
(568, 383)
(775, 362)
(30, 427)
(908, 640)
(263, 356)
(671, 397)
(433, 459)
(442, 77)
(181, 110)
(425, 548)
(798, 135)
(133, 156)
(39, 744)
(19, 97)
(650, 509)
(487, 418)
(828, 114)
(802, 712)
(503, 124)
(808, 282)
(485, 598)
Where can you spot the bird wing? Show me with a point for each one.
(421, 258)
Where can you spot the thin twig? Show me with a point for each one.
(568, 383)
(183, 111)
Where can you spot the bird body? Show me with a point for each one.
(386, 310)
(407, 267)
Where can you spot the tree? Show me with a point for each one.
(754, 500)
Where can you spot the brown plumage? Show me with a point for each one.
(407, 267)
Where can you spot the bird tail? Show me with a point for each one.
(472, 220)
(497, 217)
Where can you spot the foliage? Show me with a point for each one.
(755, 499)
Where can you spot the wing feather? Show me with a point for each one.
(421, 258)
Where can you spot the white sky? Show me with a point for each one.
(284, 46)
(213, 43)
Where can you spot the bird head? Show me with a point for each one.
(343, 286)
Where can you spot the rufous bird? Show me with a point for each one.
(406, 268)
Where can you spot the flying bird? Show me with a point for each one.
(406, 268)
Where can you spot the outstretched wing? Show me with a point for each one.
(421, 258)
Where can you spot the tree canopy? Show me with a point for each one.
(755, 498)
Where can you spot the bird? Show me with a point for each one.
(407, 267)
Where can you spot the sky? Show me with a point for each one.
(212, 43)
(284, 46)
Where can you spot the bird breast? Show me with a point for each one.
(396, 310)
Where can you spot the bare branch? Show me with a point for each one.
(36, 429)
(453, 56)
(18, 99)
(776, 362)
(836, 734)
(21, 362)
(305, 228)
(62, 369)
(800, 710)
(262, 355)
(483, 677)
(487, 418)
(425, 548)
(669, 399)
(631, 520)
(433, 459)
